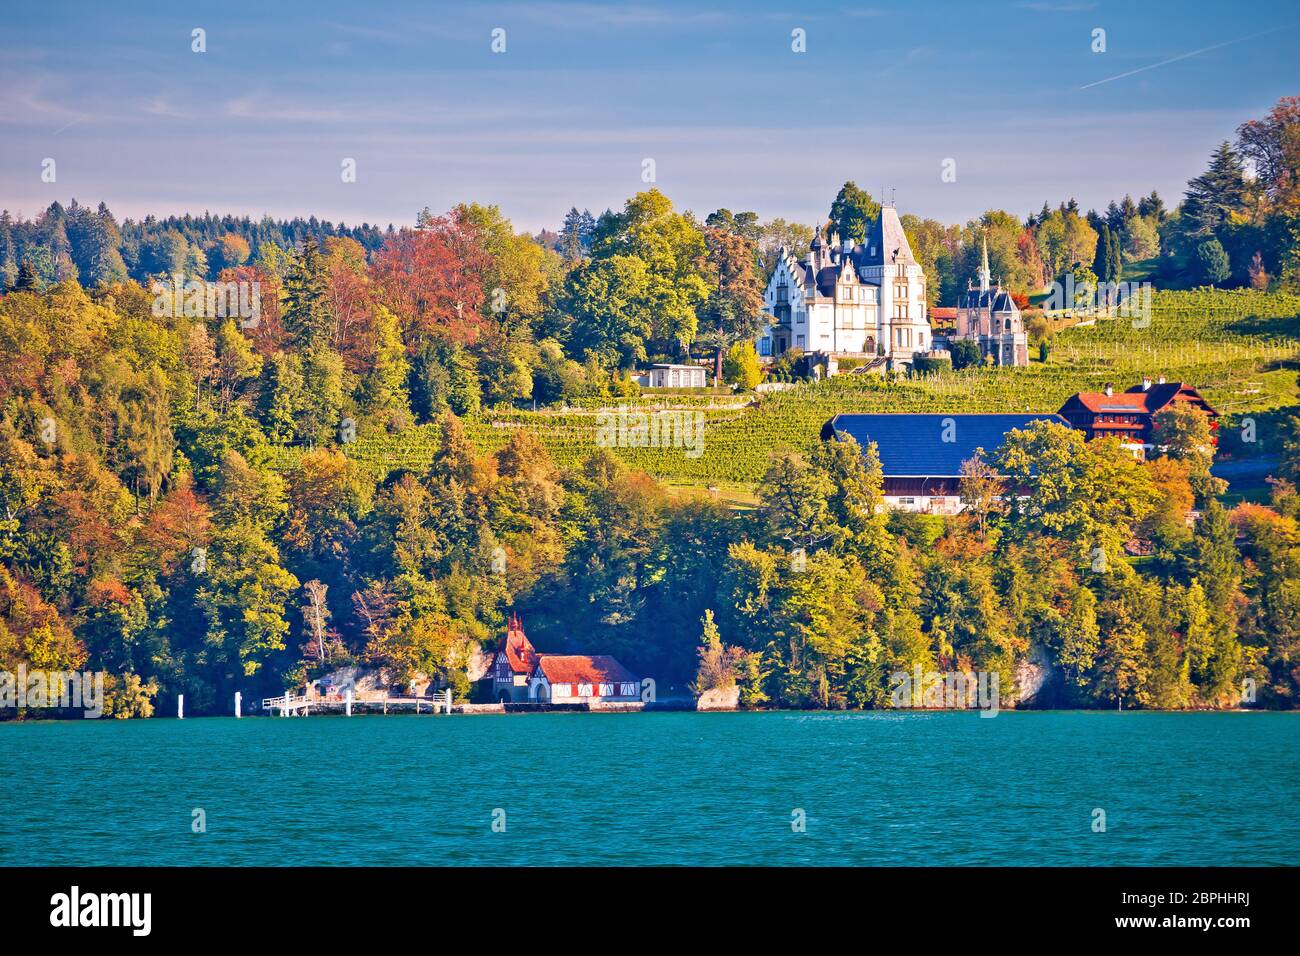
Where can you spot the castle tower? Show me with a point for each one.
(902, 323)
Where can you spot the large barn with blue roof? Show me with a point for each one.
(922, 455)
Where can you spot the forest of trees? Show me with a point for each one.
(151, 527)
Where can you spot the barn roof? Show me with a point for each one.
(913, 445)
(581, 669)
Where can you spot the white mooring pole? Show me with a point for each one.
(348, 705)
(239, 698)
(180, 706)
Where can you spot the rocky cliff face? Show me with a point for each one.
(1037, 679)
(719, 698)
(480, 662)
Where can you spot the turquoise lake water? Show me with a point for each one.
(661, 788)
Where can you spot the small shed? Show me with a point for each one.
(673, 376)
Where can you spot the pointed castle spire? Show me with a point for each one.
(985, 274)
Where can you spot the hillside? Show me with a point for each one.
(1241, 349)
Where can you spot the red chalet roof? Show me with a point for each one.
(1121, 402)
(579, 669)
(519, 651)
(1149, 401)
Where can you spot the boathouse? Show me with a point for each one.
(578, 679)
(522, 675)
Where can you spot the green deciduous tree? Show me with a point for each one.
(853, 212)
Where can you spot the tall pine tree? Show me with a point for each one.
(1215, 194)
(307, 313)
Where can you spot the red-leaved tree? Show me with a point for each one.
(431, 278)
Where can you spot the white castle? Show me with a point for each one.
(845, 299)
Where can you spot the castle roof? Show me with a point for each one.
(994, 300)
(827, 263)
(887, 242)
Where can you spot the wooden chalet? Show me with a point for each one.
(1128, 415)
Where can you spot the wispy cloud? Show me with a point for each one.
(403, 33)
(161, 106)
(31, 104)
(255, 106)
(1045, 6)
(597, 15)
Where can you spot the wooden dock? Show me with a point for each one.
(300, 705)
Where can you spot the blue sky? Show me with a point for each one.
(261, 122)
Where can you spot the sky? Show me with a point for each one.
(714, 93)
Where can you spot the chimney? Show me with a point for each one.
(1160, 380)
(1110, 389)
(1146, 383)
